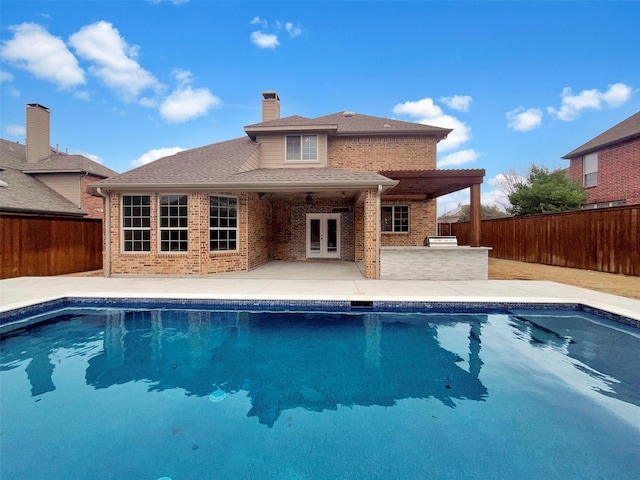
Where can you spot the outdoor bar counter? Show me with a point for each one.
(434, 263)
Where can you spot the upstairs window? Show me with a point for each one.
(136, 223)
(174, 232)
(590, 170)
(302, 147)
(395, 218)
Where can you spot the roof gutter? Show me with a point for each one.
(237, 187)
(106, 233)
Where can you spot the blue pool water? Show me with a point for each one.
(199, 394)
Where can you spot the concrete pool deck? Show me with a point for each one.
(307, 281)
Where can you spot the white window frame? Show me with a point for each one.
(590, 170)
(393, 219)
(174, 228)
(301, 157)
(227, 228)
(131, 228)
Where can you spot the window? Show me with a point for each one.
(395, 219)
(223, 223)
(174, 222)
(590, 170)
(136, 223)
(302, 147)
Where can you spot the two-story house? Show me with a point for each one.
(36, 179)
(335, 187)
(608, 166)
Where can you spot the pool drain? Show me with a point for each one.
(217, 396)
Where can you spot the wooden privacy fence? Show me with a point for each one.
(40, 246)
(605, 240)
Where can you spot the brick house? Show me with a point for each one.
(335, 187)
(608, 166)
(40, 180)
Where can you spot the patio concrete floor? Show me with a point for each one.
(332, 280)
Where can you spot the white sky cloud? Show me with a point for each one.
(187, 103)
(6, 76)
(523, 120)
(293, 30)
(34, 49)
(114, 60)
(457, 102)
(594, 99)
(16, 130)
(428, 113)
(93, 157)
(459, 158)
(264, 40)
(155, 154)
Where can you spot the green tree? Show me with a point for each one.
(487, 212)
(546, 192)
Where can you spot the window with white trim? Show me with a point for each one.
(302, 147)
(136, 223)
(223, 223)
(590, 170)
(173, 223)
(395, 218)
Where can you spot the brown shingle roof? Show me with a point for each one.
(69, 163)
(356, 123)
(25, 194)
(209, 165)
(624, 131)
(13, 154)
(219, 165)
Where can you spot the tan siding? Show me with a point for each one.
(272, 153)
(66, 184)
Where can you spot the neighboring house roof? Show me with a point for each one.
(452, 216)
(220, 165)
(622, 132)
(25, 193)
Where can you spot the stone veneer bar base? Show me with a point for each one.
(434, 263)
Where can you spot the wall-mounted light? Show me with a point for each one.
(309, 199)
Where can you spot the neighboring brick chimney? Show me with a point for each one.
(38, 146)
(270, 106)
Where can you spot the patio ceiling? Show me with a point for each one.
(430, 184)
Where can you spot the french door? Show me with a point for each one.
(323, 235)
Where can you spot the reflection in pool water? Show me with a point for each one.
(196, 394)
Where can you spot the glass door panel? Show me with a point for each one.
(314, 235)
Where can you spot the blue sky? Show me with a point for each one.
(128, 81)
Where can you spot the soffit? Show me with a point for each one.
(432, 183)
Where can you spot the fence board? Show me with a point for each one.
(41, 246)
(606, 240)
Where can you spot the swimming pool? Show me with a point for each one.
(239, 392)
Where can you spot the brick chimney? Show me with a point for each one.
(38, 146)
(270, 106)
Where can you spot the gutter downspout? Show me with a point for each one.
(378, 195)
(106, 264)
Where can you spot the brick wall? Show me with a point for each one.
(197, 261)
(618, 174)
(94, 206)
(382, 153)
(422, 223)
(259, 230)
(290, 225)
